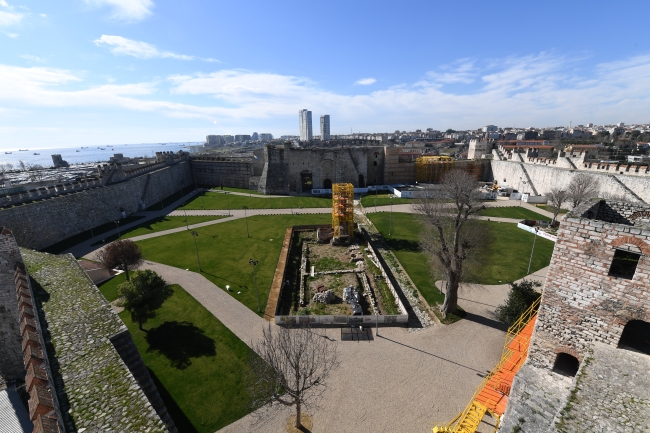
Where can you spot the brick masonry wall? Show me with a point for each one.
(11, 356)
(40, 224)
(581, 303)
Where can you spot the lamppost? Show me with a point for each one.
(228, 203)
(117, 224)
(182, 192)
(257, 292)
(376, 191)
(390, 227)
(290, 198)
(194, 235)
(270, 200)
(202, 200)
(187, 224)
(531, 251)
(246, 218)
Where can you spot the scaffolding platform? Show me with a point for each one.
(342, 210)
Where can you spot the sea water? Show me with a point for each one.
(86, 154)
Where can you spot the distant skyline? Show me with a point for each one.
(97, 72)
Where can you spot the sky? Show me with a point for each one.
(86, 72)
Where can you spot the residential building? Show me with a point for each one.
(305, 125)
(214, 140)
(255, 136)
(265, 136)
(242, 137)
(325, 127)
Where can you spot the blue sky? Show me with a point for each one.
(79, 72)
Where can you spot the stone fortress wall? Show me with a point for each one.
(545, 177)
(39, 224)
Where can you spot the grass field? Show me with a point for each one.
(504, 260)
(157, 225)
(513, 212)
(109, 288)
(552, 209)
(196, 362)
(70, 242)
(242, 190)
(383, 200)
(217, 200)
(224, 250)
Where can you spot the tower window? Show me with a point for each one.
(624, 264)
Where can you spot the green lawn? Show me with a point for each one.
(516, 212)
(225, 250)
(157, 225)
(383, 200)
(217, 200)
(109, 288)
(70, 242)
(551, 209)
(196, 362)
(504, 260)
(242, 190)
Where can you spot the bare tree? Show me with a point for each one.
(450, 235)
(556, 199)
(123, 253)
(22, 165)
(291, 368)
(36, 172)
(5, 168)
(581, 188)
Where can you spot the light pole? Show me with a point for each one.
(194, 235)
(257, 292)
(228, 203)
(390, 227)
(117, 224)
(246, 218)
(290, 198)
(531, 251)
(182, 191)
(187, 224)
(202, 200)
(376, 190)
(270, 200)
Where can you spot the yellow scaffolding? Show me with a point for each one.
(431, 169)
(343, 209)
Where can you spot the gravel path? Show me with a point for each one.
(401, 381)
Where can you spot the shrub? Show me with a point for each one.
(521, 297)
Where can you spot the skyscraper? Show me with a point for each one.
(305, 125)
(325, 127)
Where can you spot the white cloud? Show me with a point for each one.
(43, 15)
(537, 90)
(142, 50)
(32, 58)
(10, 18)
(128, 10)
(366, 81)
(4, 3)
(12, 35)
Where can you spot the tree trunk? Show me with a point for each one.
(126, 269)
(140, 326)
(451, 296)
(298, 423)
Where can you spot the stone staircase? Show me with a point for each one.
(127, 350)
(571, 163)
(625, 187)
(530, 181)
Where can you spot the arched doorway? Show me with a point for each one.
(636, 337)
(362, 181)
(566, 364)
(327, 184)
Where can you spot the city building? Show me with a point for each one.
(305, 125)
(325, 127)
(255, 136)
(265, 136)
(242, 137)
(214, 140)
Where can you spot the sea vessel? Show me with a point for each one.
(36, 153)
(7, 152)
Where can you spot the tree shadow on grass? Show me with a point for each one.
(397, 244)
(179, 342)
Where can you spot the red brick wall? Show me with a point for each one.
(581, 303)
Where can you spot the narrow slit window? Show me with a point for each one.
(624, 264)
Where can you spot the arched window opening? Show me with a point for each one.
(636, 337)
(566, 364)
(362, 181)
(626, 259)
(374, 163)
(327, 184)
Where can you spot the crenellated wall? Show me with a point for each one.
(41, 223)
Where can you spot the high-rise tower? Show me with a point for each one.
(325, 127)
(305, 125)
